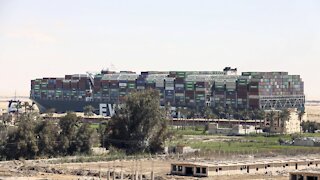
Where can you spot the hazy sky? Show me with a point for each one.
(41, 38)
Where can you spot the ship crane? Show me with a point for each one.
(91, 84)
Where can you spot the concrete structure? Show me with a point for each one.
(207, 169)
(308, 141)
(235, 130)
(307, 174)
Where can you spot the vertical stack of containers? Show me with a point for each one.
(83, 83)
(74, 87)
(150, 84)
(180, 90)
(36, 89)
(59, 89)
(200, 93)
(169, 91)
(66, 86)
(131, 82)
(231, 93)
(114, 88)
(51, 88)
(242, 92)
(123, 86)
(131, 85)
(141, 82)
(97, 87)
(44, 88)
(159, 85)
(254, 93)
(219, 92)
(190, 93)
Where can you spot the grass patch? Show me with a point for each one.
(94, 126)
(198, 130)
(245, 144)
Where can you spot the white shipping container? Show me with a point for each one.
(123, 84)
(160, 85)
(180, 85)
(170, 88)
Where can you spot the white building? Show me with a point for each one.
(235, 130)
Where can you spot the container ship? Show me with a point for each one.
(186, 89)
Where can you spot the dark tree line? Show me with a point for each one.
(138, 126)
(310, 127)
(34, 137)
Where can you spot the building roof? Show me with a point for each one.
(307, 171)
(243, 163)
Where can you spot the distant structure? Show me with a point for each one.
(216, 169)
(290, 126)
(235, 130)
(192, 89)
(307, 141)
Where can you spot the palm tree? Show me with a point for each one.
(229, 112)
(31, 107)
(207, 113)
(18, 106)
(301, 114)
(25, 105)
(192, 115)
(254, 116)
(184, 113)
(245, 117)
(238, 114)
(284, 116)
(219, 110)
(167, 109)
(271, 116)
(261, 114)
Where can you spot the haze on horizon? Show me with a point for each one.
(53, 38)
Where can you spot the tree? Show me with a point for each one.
(300, 115)
(88, 110)
(229, 112)
(25, 105)
(69, 125)
(23, 141)
(271, 116)
(310, 127)
(208, 113)
(18, 106)
(101, 131)
(192, 115)
(50, 112)
(139, 125)
(3, 139)
(219, 110)
(84, 139)
(245, 116)
(261, 115)
(284, 116)
(184, 115)
(47, 136)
